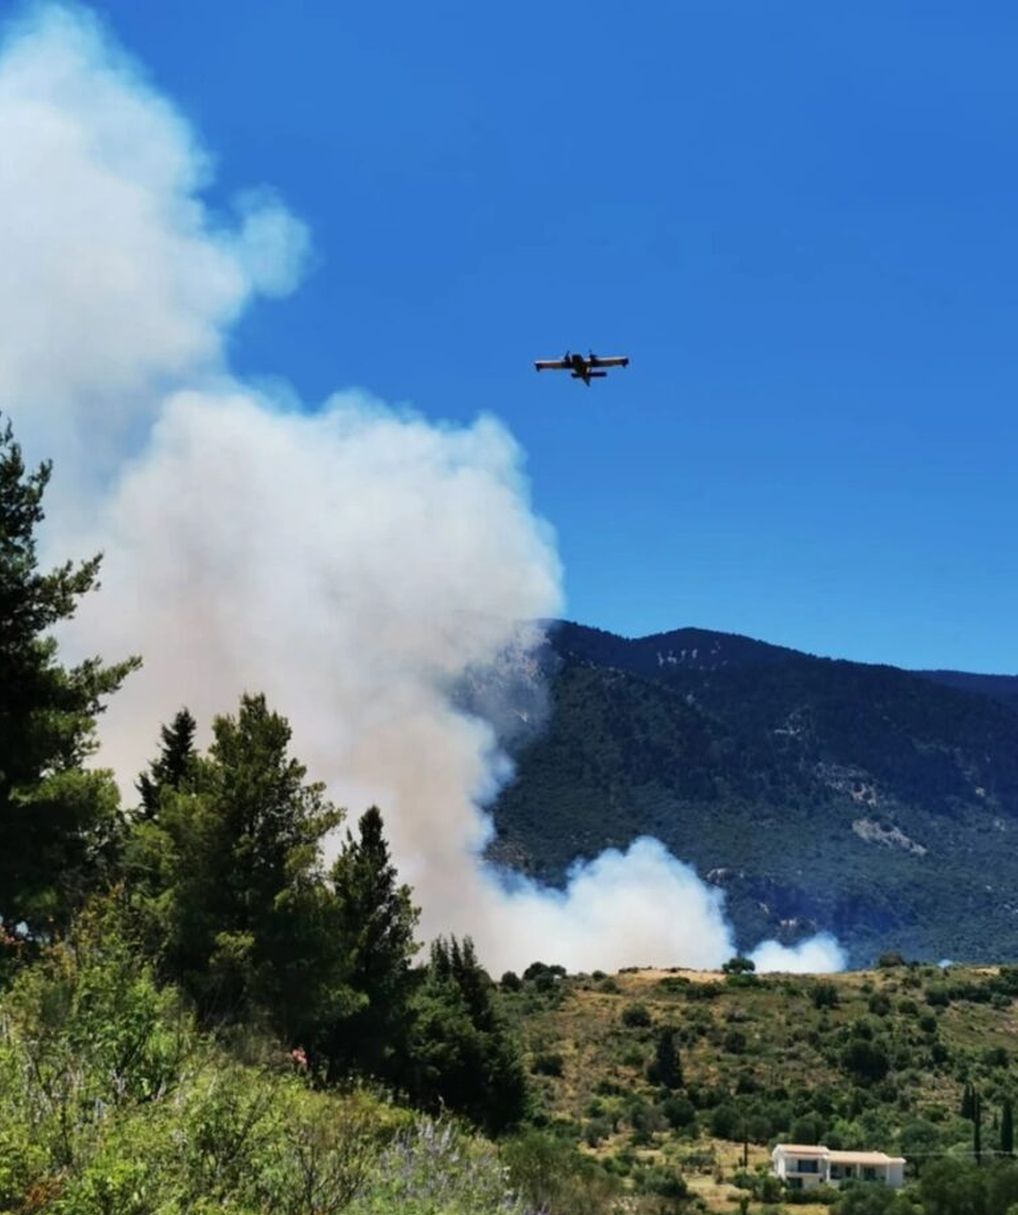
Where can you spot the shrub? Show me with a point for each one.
(547, 1063)
(890, 959)
(822, 1195)
(865, 1061)
(735, 1042)
(825, 995)
(673, 983)
(636, 1016)
(726, 1121)
(995, 1056)
(703, 991)
(680, 1112)
(595, 1131)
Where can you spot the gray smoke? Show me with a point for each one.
(365, 567)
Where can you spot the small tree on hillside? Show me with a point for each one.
(739, 965)
(1007, 1127)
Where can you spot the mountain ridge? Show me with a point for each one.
(819, 793)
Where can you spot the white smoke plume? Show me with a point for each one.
(352, 561)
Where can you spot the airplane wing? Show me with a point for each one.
(619, 360)
(551, 365)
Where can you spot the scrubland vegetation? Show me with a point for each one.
(197, 1014)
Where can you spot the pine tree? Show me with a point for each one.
(462, 1054)
(967, 1108)
(239, 900)
(375, 920)
(175, 763)
(1007, 1127)
(58, 822)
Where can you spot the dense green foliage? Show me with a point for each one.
(463, 1054)
(376, 917)
(233, 897)
(114, 1104)
(221, 865)
(872, 802)
(58, 822)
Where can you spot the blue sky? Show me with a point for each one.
(798, 219)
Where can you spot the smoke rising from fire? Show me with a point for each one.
(355, 562)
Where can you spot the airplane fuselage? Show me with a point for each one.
(580, 368)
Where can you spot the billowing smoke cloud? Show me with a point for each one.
(355, 562)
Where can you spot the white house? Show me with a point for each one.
(801, 1166)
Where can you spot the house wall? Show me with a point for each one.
(787, 1167)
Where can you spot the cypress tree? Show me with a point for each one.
(666, 1068)
(1007, 1127)
(977, 1127)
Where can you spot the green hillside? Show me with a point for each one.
(876, 803)
(883, 1060)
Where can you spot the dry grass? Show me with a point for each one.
(783, 1035)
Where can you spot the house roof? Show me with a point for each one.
(864, 1158)
(836, 1157)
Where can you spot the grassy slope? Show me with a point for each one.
(789, 1055)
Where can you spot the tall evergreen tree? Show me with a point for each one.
(462, 1054)
(375, 928)
(175, 764)
(977, 1126)
(666, 1067)
(1007, 1127)
(57, 821)
(239, 902)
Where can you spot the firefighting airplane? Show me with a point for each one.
(581, 368)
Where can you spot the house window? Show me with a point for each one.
(809, 1166)
(794, 1183)
(869, 1174)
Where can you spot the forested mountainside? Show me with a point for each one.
(877, 803)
